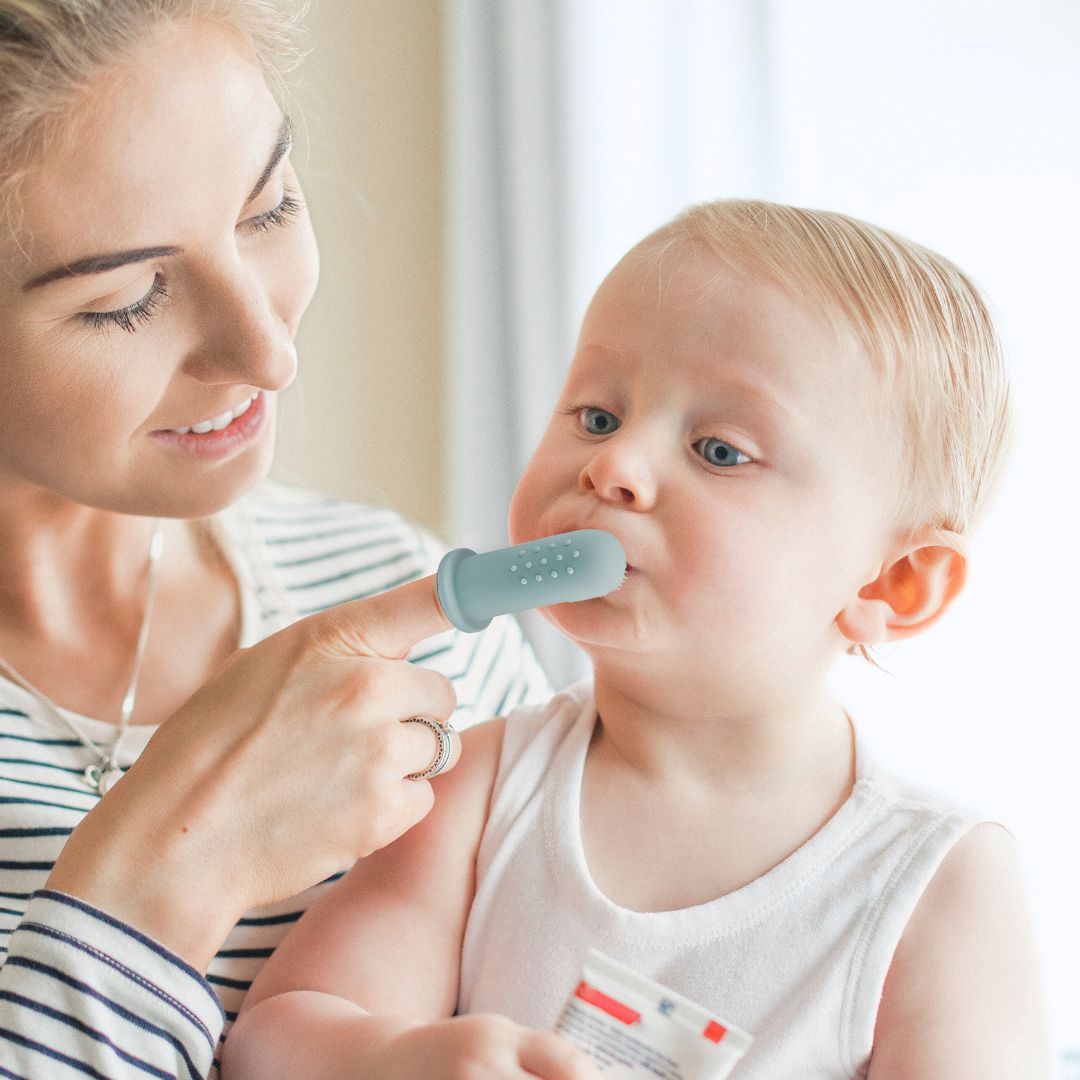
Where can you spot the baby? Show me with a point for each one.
(792, 420)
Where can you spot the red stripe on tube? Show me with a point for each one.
(607, 1004)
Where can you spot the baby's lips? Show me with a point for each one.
(574, 527)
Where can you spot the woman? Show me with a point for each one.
(158, 259)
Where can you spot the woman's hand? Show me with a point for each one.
(282, 769)
(479, 1046)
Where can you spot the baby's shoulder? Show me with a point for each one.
(481, 747)
(966, 966)
(549, 721)
(980, 877)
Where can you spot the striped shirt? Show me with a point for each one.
(84, 995)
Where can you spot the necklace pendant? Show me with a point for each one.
(101, 781)
(92, 776)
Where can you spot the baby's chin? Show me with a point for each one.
(600, 623)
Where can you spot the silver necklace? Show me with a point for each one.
(105, 771)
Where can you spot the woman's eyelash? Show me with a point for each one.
(289, 207)
(126, 317)
(142, 310)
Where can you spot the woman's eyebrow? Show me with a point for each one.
(281, 148)
(99, 264)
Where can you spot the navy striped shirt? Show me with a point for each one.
(84, 995)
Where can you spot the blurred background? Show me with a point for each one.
(474, 167)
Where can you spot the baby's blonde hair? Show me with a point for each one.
(919, 320)
(50, 51)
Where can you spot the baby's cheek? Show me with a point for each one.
(521, 515)
(711, 575)
(539, 486)
(735, 576)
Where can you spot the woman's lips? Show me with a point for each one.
(228, 440)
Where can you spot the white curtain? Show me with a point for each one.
(574, 129)
(510, 314)
(579, 125)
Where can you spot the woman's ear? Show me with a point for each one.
(916, 584)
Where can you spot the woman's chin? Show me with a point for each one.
(171, 496)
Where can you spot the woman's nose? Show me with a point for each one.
(242, 339)
(620, 471)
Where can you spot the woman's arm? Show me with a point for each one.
(80, 987)
(385, 940)
(963, 996)
(302, 732)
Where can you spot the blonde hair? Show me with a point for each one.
(50, 51)
(919, 320)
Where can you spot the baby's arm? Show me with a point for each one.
(363, 984)
(963, 996)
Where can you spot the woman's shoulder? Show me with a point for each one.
(303, 550)
(310, 524)
(282, 511)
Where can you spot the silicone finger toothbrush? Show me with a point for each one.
(576, 565)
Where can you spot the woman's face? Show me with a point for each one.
(175, 193)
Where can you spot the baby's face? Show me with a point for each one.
(740, 454)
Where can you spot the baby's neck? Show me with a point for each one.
(697, 738)
(682, 802)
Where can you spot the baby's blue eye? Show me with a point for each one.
(722, 453)
(606, 428)
(716, 452)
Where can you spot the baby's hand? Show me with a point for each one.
(481, 1046)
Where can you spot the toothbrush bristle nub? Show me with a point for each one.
(578, 565)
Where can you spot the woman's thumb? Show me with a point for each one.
(388, 624)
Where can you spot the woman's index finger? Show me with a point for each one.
(388, 624)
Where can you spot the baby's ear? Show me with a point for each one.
(917, 583)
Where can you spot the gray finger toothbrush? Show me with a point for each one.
(576, 565)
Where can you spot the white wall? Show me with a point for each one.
(956, 124)
(364, 419)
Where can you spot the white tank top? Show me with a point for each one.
(797, 957)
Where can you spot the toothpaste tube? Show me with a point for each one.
(635, 1028)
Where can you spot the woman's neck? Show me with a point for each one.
(72, 597)
(67, 570)
(64, 564)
